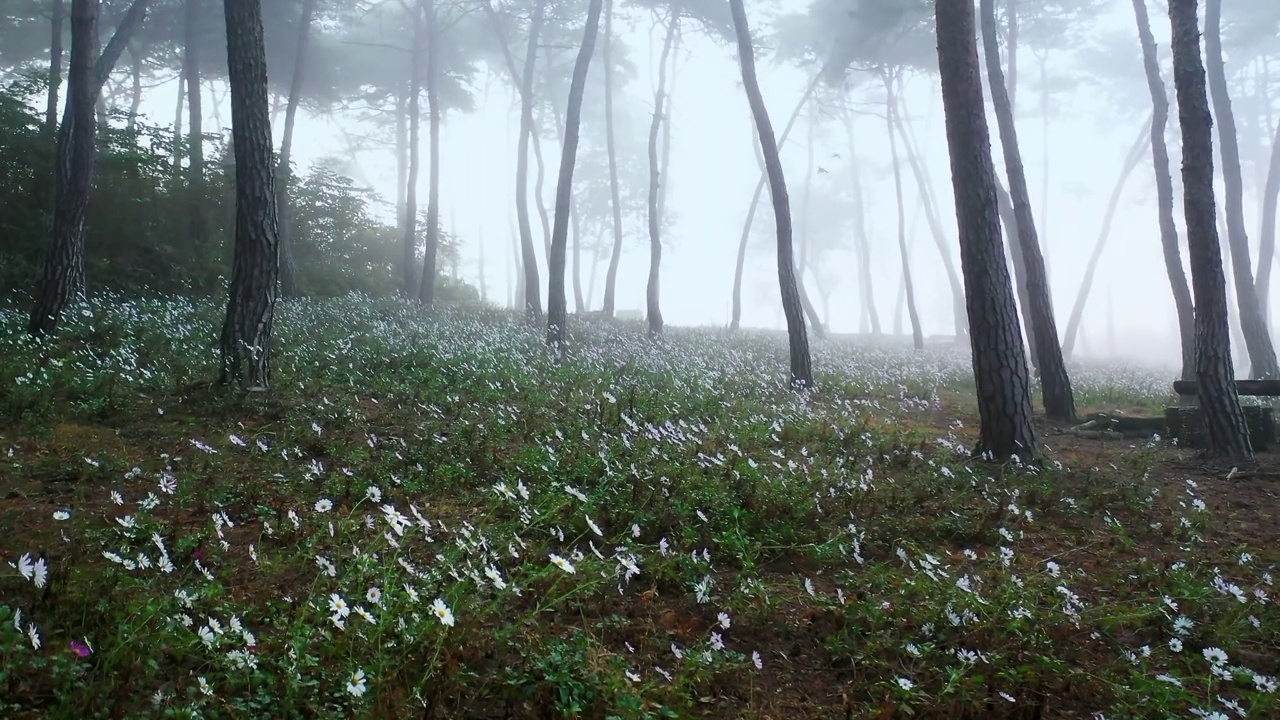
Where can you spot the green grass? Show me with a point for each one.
(737, 549)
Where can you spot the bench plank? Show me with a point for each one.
(1258, 388)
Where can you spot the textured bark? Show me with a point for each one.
(579, 301)
(556, 305)
(427, 279)
(532, 301)
(197, 226)
(653, 310)
(1267, 235)
(1136, 152)
(1164, 194)
(246, 334)
(1224, 420)
(409, 239)
(935, 229)
(1044, 157)
(803, 266)
(1262, 355)
(1011, 11)
(1055, 385)
(736, 317)
(862, 243)
(284, 171)
(999, 363)
(177, 128)
(55, 67)
(801, 368)
(615, 256)
(1010, 224)
(890, 108)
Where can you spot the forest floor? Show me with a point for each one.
(430, 516)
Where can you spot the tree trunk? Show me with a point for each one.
(284, 171)
(1010, 223)
(246, 335)
(999, 363)
(1011, 10)
(611, 277)
(197, 223)
(862, 243)
(1267, 236)
(579, 301)
(935, 228)
(410, 237)
(1262, 355)
(1224, 420)
(1136, 152)
(736, 317)
(177, 127)
(427, 280)
(55, 68)
(532, 300)
(517, 250)
(539, 200)
(917, 336)
(1055, 385)
(1044, 159)
(801, 368)
(135, 95)
(652, 308)
(1164, 194)
(402, 155)
(556, 305)
(62, 276)
(810, 312)
(666, 131)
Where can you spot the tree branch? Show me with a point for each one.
(119, 40)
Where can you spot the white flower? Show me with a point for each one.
(756, 660)
(723, 620)
(374, 493)
(40, 572)
(325, 505)
(207, 636)
(594, 528)
(905, 684)
(717, 643)
(356, 685)
(25, 566)
(633, 676)
(61, 515)
(563, 564)
(495, 577)
(443, 612)
(204, 686)
(34, 636)
(374, 596)
(1215, 655)
(1175, 645)
(1053, 569)
(338, 606)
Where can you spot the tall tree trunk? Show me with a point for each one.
(1262, 355)
(615, 256)
(579, 302)
(1055, 385)
(736, 317)
(55, 68)
(246, 335)
(862, 243)
(556, 305)
(135, 95)
(410, 237)
(666, 131)
(1267, 236)
(810, 312)
(801, 367)
(935, 228)
(197, 223)
(402, 154)
(177, 127)
(519, 299)
(1044, 158)
(999, 363)
(653, 310)
(1164, 194)
(62, 276)
(595, 271)
(917, 336)
(532, 300)
(1224, 420)
(284, 171)
(427, 280)
(1010, 223)
(1136, 153)
(1011, 11)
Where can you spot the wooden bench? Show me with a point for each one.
(1185, 423)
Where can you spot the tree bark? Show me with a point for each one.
(246, 334)
(1224, 420)
(532, 301)
(62, 276)
(999, 363)
(1164, 194)
(284, 171)
(664, 186)
(1011, 9)
(653, 309)
(410, 237)
(197, 223)
(556, 305)
(1044, 159)
(135, 95)
(402, 154)
(579, 302)
(427, 280)
(1267, 236)
(615, 256)
(1136, 152)
(801, 368)
(1010, 223)
(55, 68)
(736, 317)
(1055, 385)
(917, 336)
(863, 244)
(1262, 355)
(177, 127)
